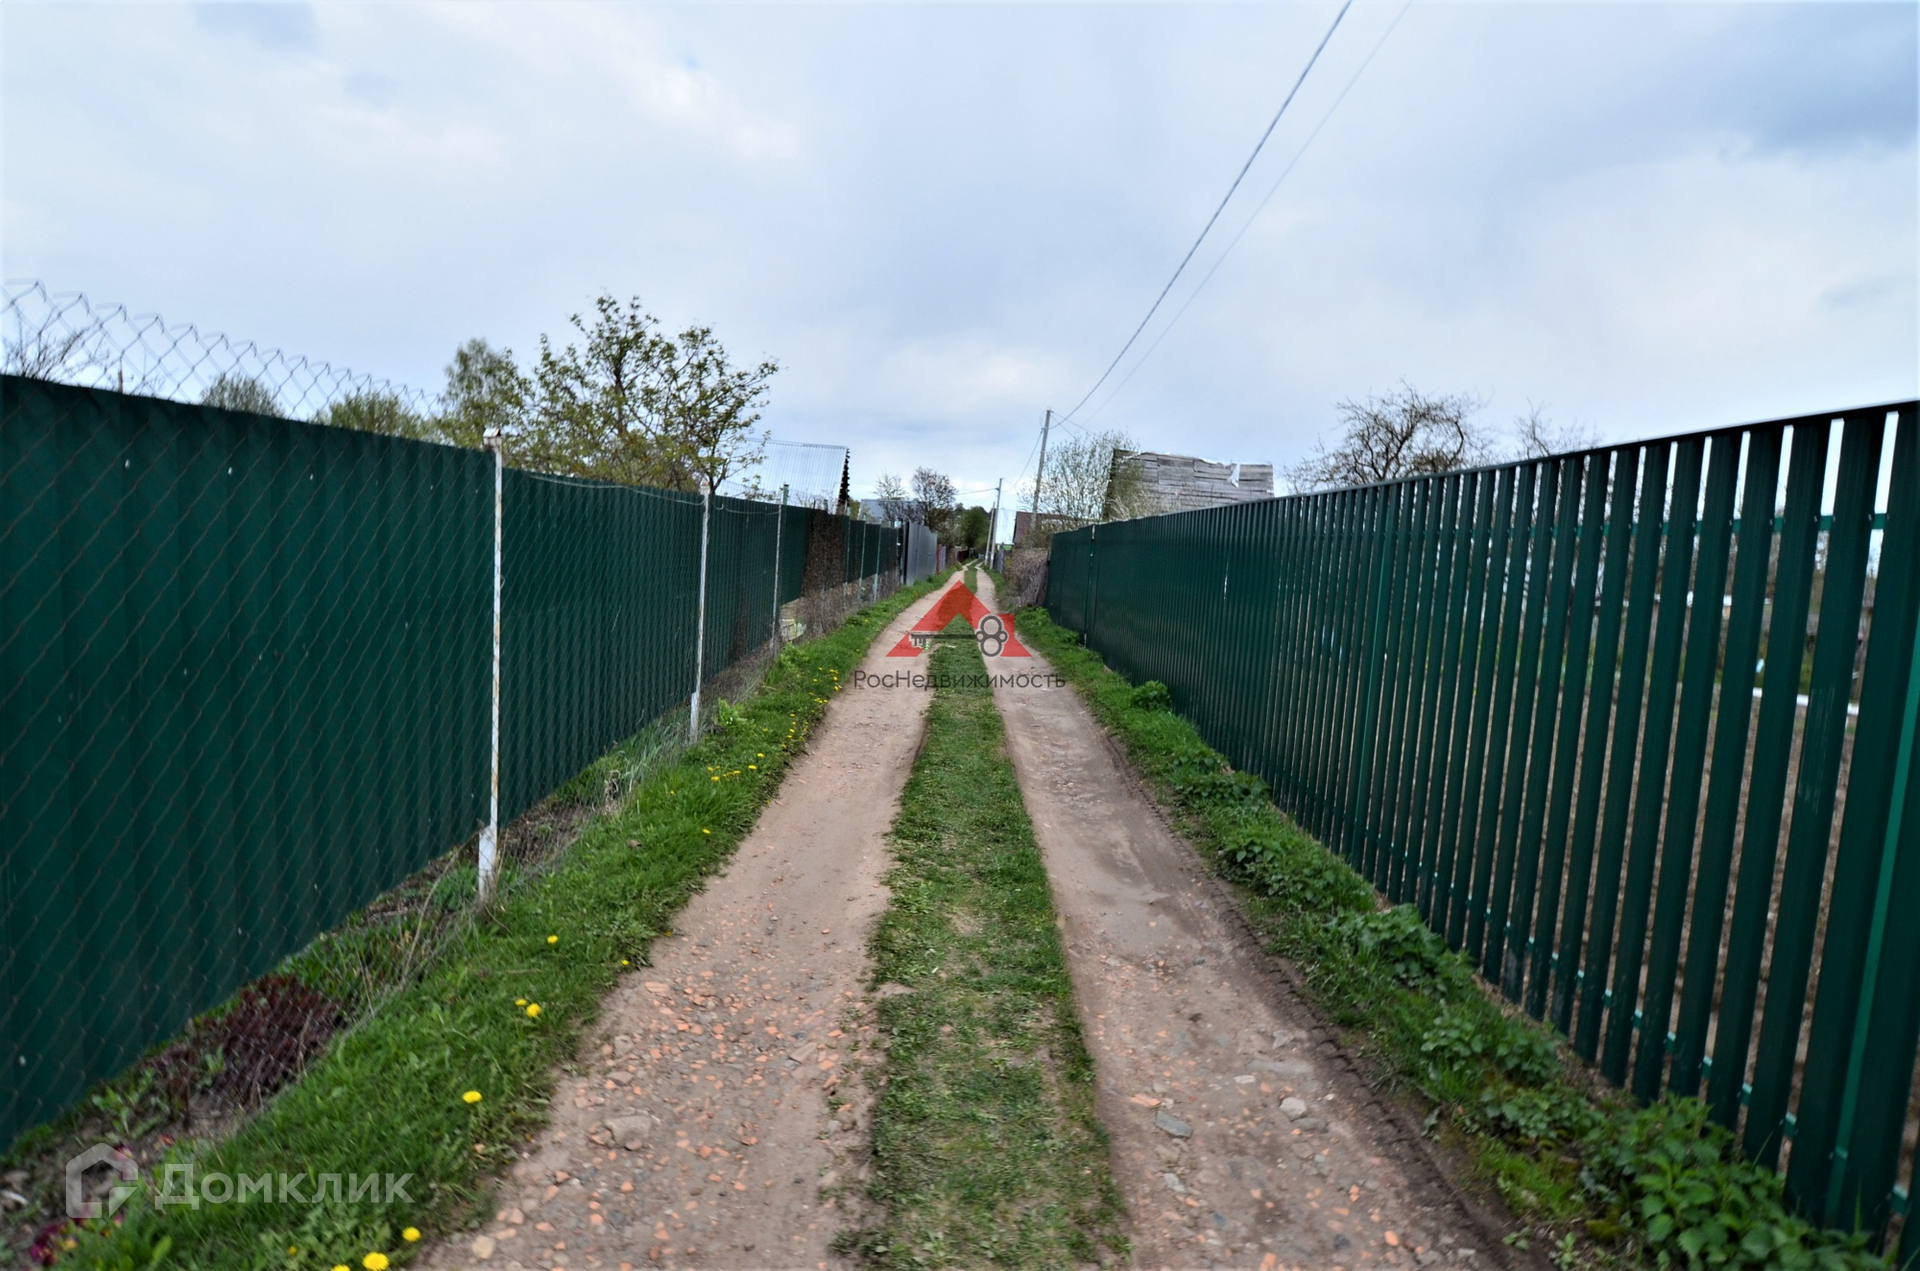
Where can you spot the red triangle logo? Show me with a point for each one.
(993, 630)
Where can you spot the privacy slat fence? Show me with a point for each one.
(245, 678)
(1633, 727)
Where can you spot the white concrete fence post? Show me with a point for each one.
(489, 862)
(700, 622)
(779, 527)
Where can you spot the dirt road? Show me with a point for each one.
(704, 1122)
(1239, 1135)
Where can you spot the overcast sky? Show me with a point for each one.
(943, 219)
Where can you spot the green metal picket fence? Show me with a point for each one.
(1633, 727)
(246, 683)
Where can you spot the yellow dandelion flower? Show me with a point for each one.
(410, 1234)
(706, 831)
(624, 962)
(472, 1096)
(292, 1249)
(533, 1010)
(341, 1266)
(754, 766)
(553, 939)
(519, 1001)
(375, 1262)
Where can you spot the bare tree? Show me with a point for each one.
(891, 501)
(937, 500)
(53, 351)
(1536, 436)
(1402, 434)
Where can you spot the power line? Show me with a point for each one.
(1241, 176)
(1259, 208)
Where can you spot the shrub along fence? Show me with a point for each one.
(247, 677)
(1559, 705)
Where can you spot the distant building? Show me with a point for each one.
(1025, 523)
(1143, 483)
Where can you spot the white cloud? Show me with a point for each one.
(944, 219)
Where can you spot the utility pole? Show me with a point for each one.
(1040, 474)
(993, 526)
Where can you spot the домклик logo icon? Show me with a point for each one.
(78, 1206)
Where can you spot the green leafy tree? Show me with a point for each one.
(240, 392)
(708, 406)
(486, 391)
(378, 412)
(633, 405)
(970, 530)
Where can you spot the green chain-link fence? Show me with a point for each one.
(1633, 727)
(246, 678)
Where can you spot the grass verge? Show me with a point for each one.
(492, 1017)
(1601, 1181)
(986, 1149)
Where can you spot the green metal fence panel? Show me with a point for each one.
(1653, 468)
(1435, 700)
(793, 552)
(1844, 1060)
(1791, 587)
(245, 689)
(1733, 729)
(1556, 554)
(1526, 677)
(1449, 720)
(1704, 615)
(598, 612)
(1624, 466)
(245, 671)
(1558, 704)
(1674, 539)
(1810, 832)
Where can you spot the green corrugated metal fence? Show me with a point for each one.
(245, 681)
(1633, 727)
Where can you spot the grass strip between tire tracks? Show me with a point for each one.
(986, 1148)
(1599, 1181)
(502, 1006)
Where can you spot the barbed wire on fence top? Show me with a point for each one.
(65, 337)
(68, 339)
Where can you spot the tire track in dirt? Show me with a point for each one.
(1240, 1135)
(702, 1125)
